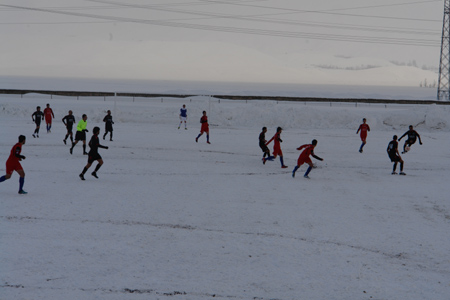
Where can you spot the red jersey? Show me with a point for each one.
(14, 156)
(363, 128)
(205, 126)
(48, 113)
(309, 149)
(276, 140)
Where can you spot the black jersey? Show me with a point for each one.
(108, 122)
(94, 144)
(412, 135)
(262, 139)
(392, 147)
(69, 120)
(38, 116)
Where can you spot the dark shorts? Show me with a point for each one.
(69, 129)
(108, 127)
(80, 136)
(38, 122)
(394, 157)
(264, 148)
(411, 141)
(93, 157)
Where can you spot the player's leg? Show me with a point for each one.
(309, 168)
(84, 147)
(97, 167)
(5, 177)
(21, 180)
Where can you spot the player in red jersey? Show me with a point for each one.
(364, 128)
(277, 147)
(204, 128)
(304, 157)
(48, 113)
(13, 164)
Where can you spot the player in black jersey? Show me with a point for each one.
(108, 125)
(395, 157)
(263, 146)
(37, 117)
(412, 137)
(94, 144)
(69, 120)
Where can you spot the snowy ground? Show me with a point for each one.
(173, 219)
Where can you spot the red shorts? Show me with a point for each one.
(205, 128)
(302, 160)
(363, 136)
(277, 151)
(48, 120)
(12, 166)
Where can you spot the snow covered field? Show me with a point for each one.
(173, 219)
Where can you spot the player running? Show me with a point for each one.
(37, 117)
(68, 121)
(13, 164)
(304, 157)
(395, 157)
(183, 117)
(204, 128)
(108, 125)
(94, 144)
(48, 113)
(277, 147)
(81, 134)
(364, 128)
(262, 145)
(412, 137)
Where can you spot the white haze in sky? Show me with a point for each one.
(393, 42)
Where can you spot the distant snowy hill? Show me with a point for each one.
(150, 60)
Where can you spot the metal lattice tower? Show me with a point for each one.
(444, 65)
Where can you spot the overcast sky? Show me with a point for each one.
(399, 30)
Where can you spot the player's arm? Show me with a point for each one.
(270, 140)
(315, 156)
(302, 146)
(420, 141)
(17, 153)
(32, 116)
(104, 147)
(52, 113)
(359, 128)
(368, 128)
(403, 136)
(64, 121)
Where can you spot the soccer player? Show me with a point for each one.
(262, 145)
(277, 147)
(363, 128)
(183, 117)
(94, 144)
(68, 121)
(37, 117)
(304, 157)
(81, 134)
(48, 113)
(412, 137)
(108, 125)
(13, 164)
(395, 157)
(204, 128)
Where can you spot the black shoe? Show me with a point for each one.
(82, 176)
(70, 150)
(94, 174)
(85, 153)
(64, 142)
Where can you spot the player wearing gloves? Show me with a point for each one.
(412, 137)
(304, 157)
(94, 144)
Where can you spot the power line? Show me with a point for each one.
(289, 34)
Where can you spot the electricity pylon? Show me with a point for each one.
(444, 65)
